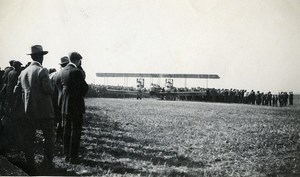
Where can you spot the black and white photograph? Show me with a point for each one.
(194, 88)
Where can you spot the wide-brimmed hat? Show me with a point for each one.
(37, 49)
(64, 60)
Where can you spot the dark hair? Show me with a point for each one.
(63, 65)
(52, 70)
(75, 56)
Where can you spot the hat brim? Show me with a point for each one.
(42, 52)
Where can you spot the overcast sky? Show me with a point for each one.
(250, 44)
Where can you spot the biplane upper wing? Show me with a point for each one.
(159, 75)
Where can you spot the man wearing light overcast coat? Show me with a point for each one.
(38, 107)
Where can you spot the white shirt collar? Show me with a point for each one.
(72, 64)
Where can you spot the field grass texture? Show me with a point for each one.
(175, 138)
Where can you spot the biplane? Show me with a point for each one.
(168, 92)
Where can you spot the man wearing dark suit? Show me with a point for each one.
(73, 107)
(7, 70)
(12, 80)
(291, 98)
(3, 90)
(36, 94)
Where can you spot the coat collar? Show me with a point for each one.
(72, 64)
(36, 63)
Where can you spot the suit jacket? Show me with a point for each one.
(3, 90)
(5, 75)
(74, 88)
(36, 91)
(58, 90)
(12, 80)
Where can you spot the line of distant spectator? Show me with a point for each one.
(252, 97)
(211, 95)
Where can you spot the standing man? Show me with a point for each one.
(73, 107)
(3, 90)
(10, 131)
(12, 80)
(291, 98)
(39, 113)
(57, 98)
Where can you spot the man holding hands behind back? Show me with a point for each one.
(73, 107)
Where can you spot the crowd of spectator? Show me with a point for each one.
(97, 90)
(252, 97)
(208, 94)
(33, 98)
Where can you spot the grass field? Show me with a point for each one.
(176, 138)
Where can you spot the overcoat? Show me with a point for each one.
(36, 91)
(74, 88)
(3, 90)
(58, 85)
(12, 80)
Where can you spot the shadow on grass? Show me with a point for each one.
(17, 158)
(101, 135)
(107, 137)
(114, 167)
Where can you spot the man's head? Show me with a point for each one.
(37, 53)
(51, 70)
(17, 65)
(64, 61)
(75, 58)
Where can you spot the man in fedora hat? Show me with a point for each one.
(38, 107)
(64, 61)
(57, 98)
(73, 108)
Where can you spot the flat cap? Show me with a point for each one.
(17, 63)
(75, 56)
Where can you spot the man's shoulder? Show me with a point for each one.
(68, 68)
(76, 71)
(65, 70)
(7, 70)
(33, 69)
(12, 72)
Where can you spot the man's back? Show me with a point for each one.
(58, 85)
(37, 91)
(4, 78)
(74, 90)
(5, 74)
(12, 81)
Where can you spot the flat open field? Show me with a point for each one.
(177, 138)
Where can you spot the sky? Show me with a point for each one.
(250, 44)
